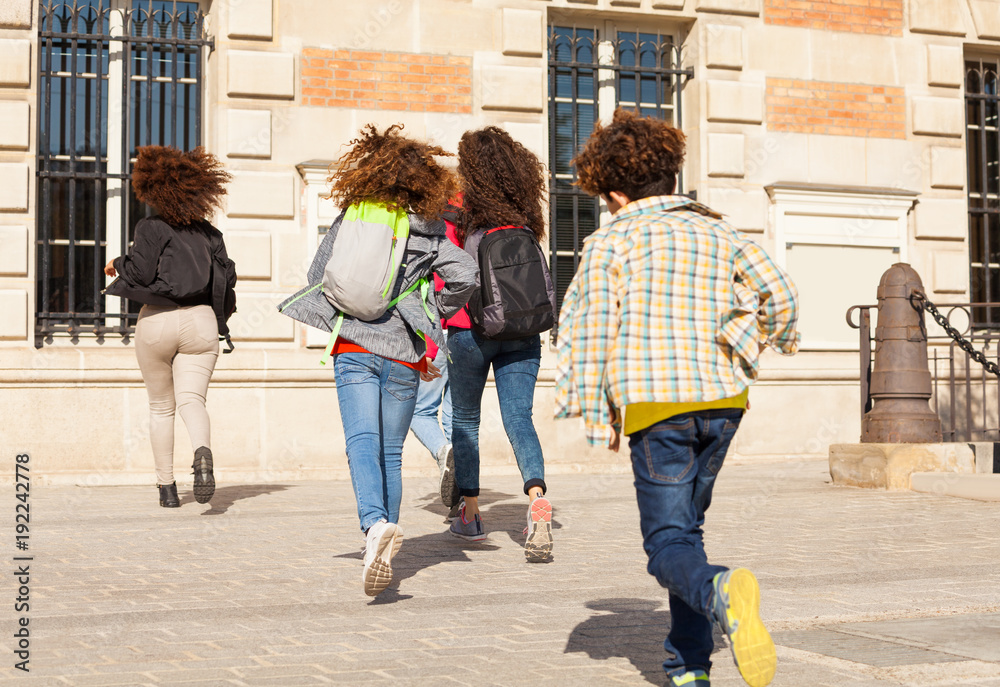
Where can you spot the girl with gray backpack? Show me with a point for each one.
(371, 287)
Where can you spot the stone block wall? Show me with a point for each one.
(872, 99)
(18, 90)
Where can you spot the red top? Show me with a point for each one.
(459, 320)
(345, 346)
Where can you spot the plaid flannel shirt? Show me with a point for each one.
(669, 304)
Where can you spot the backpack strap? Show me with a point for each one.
(405, 233)
(218, 286)
(423, 284)
(334, 333)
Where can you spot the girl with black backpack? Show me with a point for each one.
(502, 225)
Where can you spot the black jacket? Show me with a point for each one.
(169, 266)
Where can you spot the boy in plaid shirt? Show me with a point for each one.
(664, 320)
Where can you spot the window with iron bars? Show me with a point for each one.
(593, 70)
(982, 102)
(113, 75)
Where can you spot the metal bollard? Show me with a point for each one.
(901, 380)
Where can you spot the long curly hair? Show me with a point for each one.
(635, 155)
(183, 187)
(389, 168)
(504, 183)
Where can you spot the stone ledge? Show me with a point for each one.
(978, 487)
(889, 466)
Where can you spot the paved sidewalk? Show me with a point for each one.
(263, 587)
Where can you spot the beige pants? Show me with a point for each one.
(177, 348)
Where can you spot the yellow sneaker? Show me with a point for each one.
(736, 606)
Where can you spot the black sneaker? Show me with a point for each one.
(204, 480)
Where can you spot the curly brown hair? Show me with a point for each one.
(504, 183)
(183, 187)
(392, 169)
(635, 155)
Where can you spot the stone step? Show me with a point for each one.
(982, 487)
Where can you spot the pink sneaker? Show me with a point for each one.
(538, 544)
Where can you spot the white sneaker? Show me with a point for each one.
(446, 464)
(538, 544)
(383, 542)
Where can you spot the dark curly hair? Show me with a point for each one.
(182, 187)
(392, 169)
(635, 155)
(504, 183)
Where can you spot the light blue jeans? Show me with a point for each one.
(376, 397)
(515, 369)
(431, 397)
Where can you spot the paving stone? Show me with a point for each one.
(267, 589)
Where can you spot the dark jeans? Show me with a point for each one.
(675, 463)
(515, 369)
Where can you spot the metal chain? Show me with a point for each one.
(965, 345)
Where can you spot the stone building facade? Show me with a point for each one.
(843, 135)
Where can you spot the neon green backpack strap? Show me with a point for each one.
(333, 338)
(400, 230)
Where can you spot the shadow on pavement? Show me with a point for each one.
(420, 553)
(497, 517)
(628, 628)
(432, 501)
(226, 496)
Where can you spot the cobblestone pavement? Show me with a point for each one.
(263, 587)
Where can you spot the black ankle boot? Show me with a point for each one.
(168, 495)
(204, 480)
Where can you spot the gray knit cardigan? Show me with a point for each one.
(394, 335)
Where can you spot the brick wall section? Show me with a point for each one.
(838, 109)
(881, 17)
(386, 80)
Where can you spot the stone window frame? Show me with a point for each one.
(604, 101)
(983, 185)
(108, 100)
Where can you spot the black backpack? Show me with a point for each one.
(515, 297)
(223, 291)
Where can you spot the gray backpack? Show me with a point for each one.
(364, 263)
(366, 257)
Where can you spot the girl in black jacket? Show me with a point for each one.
(170, 269)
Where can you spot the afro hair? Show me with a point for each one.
(183, 187)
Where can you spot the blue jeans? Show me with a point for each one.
(431, 397)
(515, 369)
(376, 397)
(675, 463)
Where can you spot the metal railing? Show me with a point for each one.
(965, 396)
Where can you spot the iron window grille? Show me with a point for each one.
(982, 102)
(113, 75)
(590, 74)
